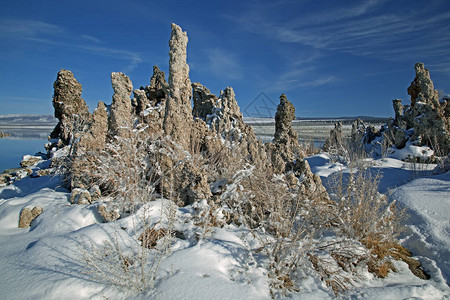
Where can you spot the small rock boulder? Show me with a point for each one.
(29, 160)
(80, 196)
(28, 215)
(108, 214)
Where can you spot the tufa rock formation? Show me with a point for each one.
(182, 149)
(120, 121)
(426, 122)
(178, 115)
(3, 134)
(204, 101)
(422, 88)
(158, 89)
(95, 137)
(334, 142)
(285, 148)
(70, 109)
(151, 101)
(427, 116)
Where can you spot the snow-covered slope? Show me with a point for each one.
(46, 261)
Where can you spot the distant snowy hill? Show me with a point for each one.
(23, 120)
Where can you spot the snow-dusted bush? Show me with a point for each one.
(271, 209)
(128, 260)
(363, 214)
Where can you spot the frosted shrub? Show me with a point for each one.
(363, 214)
(271, 210)
(130, 262)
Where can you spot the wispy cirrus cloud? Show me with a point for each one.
(90, 38)
(224, 64)
(26, 29)
(363, 29)
(375, 29)
(300, 76)
(42, 32)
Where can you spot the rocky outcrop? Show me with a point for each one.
(95, 137)
(151, 103)
(28, 215)
(178, 114)
(426, 122)
(3, 134)
(398, 112)
(334, 143)
(108, 214)
(183, 149)
(158, 89)
(284, 149)
(204, 101)
(29, 161)
(427, 116)
(120, 120)
(80, 196)
(422, 88)
(70, 109)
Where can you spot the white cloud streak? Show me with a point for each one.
(224, 64)
(366, 29)
(362, 30)
(41, 32)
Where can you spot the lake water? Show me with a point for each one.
(20, 143)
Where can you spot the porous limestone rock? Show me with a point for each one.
(28, 215)
(334, 142)
(178, 117)
(284, 149)
(426, 122)
(151, 103)
(70, 109)
(95, 137)
(108, 214)
(3, 134)
(158, 89)
(398, 112)
(422, 88)
(120, 120)
(227, 122)
(428, 116)
(140, 101)
(310, 184)
(95, 193)
(203, 100)
(80, 196)
(29, 160)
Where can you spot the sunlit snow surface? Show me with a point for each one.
(43, 262)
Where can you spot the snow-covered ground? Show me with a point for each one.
(46, 261)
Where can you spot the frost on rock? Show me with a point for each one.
(151, 103)
(80, 196)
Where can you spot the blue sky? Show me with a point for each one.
(331, 58)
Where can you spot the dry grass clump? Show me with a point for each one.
(151, 235)
(337, 262)
(365, 215)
